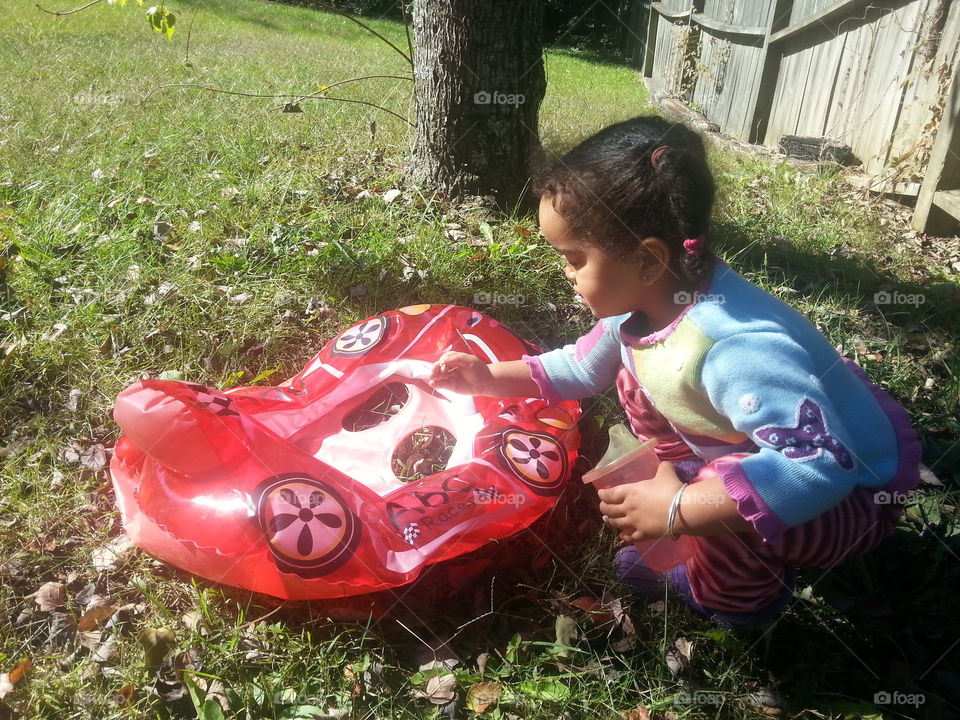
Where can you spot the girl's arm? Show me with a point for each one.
(468, 374)
(706, 508)
(512, 379)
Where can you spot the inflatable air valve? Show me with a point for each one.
(628, 460)
(280, 491)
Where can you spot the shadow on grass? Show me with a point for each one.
(881, 630)
(845, 275)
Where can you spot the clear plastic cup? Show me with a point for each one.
(628, 460)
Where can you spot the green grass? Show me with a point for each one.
(94, 155)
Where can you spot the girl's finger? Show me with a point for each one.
(613, 496)
(619, 523)
(615, 511)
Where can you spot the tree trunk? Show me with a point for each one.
(478, 84)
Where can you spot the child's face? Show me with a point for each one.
(608, 285)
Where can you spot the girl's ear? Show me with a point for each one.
(653, 254)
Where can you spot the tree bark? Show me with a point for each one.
(478, 84)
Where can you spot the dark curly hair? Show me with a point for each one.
(613, 195)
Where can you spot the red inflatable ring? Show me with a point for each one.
(281, 490)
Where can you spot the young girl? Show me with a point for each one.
(776, 452)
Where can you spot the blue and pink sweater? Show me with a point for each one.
(758, 393)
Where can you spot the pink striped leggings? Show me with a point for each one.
(740, 572)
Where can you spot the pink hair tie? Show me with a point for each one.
(695, 246)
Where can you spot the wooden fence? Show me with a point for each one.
(877, 75)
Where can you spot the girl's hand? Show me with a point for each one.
(639, 510)
(461, 373)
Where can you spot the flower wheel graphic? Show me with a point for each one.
(361, 338)
(536, 458)
(308, 528)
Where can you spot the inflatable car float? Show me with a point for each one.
(307, 490)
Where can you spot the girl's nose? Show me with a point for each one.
(570, 274)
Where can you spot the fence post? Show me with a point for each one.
(761, 104)
(635, 35)
(652, 22)
(938, 203)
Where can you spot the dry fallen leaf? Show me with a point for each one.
(125, 696)
(91, 458)
(566, 630)
(112, 555)
(94, 618)
(213, 689)
(50, 596)
(482, 659)
(73, 399)
(482, 695)
(20, 671)
(440, 689)
(678, 656)
(105, 652)
(56, 331)
(157, 644)
(184, 662)
(8, 680)
(586, 602)
(62, 629)
(639, 713)
(161, 229)
(357, 690)
(628, 635)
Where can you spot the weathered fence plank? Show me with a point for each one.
(938, 209)
(865, 73)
